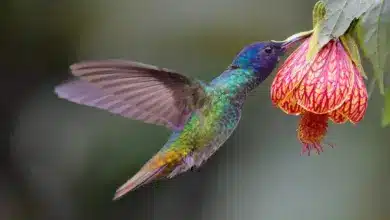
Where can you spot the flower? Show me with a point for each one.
(328, 85)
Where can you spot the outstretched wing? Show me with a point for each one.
(134, 90)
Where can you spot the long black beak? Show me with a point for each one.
(290, 41)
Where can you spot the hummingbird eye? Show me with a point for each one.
(268, 50)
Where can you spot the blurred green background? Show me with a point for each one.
(64, 161)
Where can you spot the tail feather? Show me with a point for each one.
(165, 164)
(141, 178)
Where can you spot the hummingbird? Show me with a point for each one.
(201, 115)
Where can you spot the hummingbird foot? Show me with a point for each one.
(186, 164)
(201, 117)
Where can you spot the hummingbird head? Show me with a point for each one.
(262, 57)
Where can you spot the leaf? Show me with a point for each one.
(339, 16)
(386, 110)
(373, 31)
(314, 47)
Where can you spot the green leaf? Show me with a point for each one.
(386, 110)
(319, 11)
(339, 16)
(373, 32)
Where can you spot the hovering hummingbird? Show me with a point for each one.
(201, 115)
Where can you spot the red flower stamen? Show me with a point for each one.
(312, 129)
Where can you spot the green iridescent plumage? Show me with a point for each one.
(201, 115)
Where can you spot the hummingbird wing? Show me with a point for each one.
(135, 90)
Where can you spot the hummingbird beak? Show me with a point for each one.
(290, 41)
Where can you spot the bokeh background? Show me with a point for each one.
(63, 161)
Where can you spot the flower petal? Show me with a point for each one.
(338, 117)
(291, 107)
(356, 104)
(328, 80)
(289, 75)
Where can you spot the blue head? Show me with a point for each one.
(261, 57)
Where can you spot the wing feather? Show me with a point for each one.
(135, 90)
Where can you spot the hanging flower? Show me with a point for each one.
(319, 87)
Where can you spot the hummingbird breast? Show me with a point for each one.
(205, 132)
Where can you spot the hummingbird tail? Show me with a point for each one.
(159, 167)
(143, 177)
